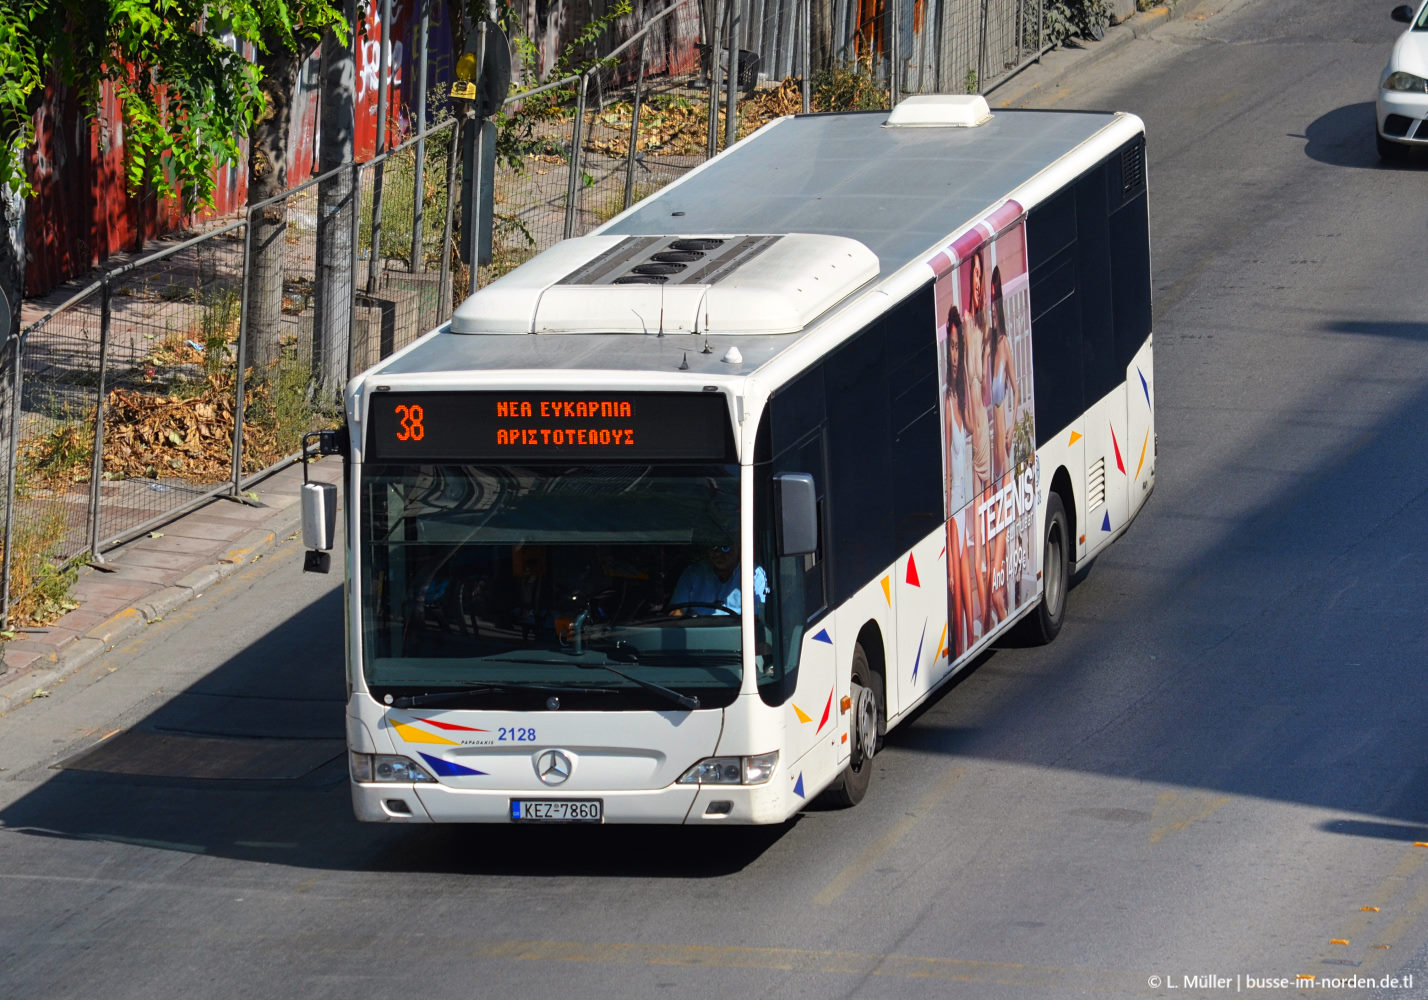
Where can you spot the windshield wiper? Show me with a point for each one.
(688, 701)
(436, 697)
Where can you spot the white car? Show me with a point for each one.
(1402, 106)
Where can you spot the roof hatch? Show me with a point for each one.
(716, 283)
(940, 110)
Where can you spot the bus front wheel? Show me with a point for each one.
(1043, 624)
(866, 695)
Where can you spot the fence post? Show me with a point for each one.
(894, 54)
(384, 69)
(576, 139)
(96, 471)
(356, 238)
(807, 29)
(731, 79)
(419, 174)
(446, 276)
(712, 129)
(17, 385)
(635, 124)
(982, 51)
(240, 376)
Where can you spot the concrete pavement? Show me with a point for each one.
(154, 574)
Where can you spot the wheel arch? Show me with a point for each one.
(870, 637)
(1061, 485)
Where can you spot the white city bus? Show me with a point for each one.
(672, 523)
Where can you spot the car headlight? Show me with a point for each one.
(1401, 81)
(755, 770)
(387, 769)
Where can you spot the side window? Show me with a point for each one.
(1089, 252)
(915, 487)
(860, 463)
(1055, 315)
(1093, 285)
(1130, 250)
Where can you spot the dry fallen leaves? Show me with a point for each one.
(680, 127)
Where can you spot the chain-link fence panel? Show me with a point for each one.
(49, 517)
(142, 363)
(646, 121)
(169, 383)
(285, 391)
(535, 133)
(1012, 30)
(402, 232)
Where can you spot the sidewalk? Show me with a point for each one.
(157, 573)
(1056, 67)
(153, 575)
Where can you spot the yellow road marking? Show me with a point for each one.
(865, 861)
(1175, 812)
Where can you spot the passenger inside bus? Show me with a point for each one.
(710, 585)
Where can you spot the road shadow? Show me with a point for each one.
(1344, 137)
(249, 763)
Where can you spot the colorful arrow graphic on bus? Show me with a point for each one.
(452, 725)
(917, 660)
(446, 769)
(412, 734)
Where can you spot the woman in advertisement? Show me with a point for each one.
(1001, 381)
(976, 377)
(1001, 398)
(959, 487)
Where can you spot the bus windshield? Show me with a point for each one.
(550, 587)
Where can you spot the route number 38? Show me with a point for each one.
(411, 422)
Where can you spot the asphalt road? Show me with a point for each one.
(1216, 771)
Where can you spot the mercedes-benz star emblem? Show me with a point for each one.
(553, 767)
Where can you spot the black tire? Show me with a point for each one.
(1388, 151)
(1043, 624)
(867, 694)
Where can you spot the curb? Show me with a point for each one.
(26, 685)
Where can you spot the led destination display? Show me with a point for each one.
(534, 426)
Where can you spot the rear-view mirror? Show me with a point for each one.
(797, 503)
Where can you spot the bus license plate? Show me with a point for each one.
(557, 810)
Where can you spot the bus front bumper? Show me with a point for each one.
(692, 804)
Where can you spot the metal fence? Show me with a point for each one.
(194, 371)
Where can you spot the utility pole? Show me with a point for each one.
(483, 78)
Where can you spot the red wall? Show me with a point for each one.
(82, 211)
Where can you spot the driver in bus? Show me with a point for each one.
(710, 586)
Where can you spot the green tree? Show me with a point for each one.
(188, 91)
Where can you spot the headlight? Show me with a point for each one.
(1402, 81)
(383, 769)
(753, 770)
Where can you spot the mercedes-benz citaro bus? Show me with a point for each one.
(673, 522)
